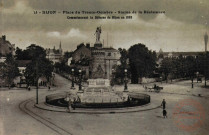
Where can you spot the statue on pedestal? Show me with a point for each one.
(98, 33)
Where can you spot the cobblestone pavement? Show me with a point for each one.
(13, 120)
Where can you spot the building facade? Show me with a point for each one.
(6, 47)
(82, 51)
(54, 55)
(177, 54)
(21, 65)
(101, 60)
(104, 60)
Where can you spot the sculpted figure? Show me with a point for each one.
(98, 33)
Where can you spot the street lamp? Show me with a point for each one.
(37, 76)
(206, 43)
(125, 81)
(80, 79)
(197, 76)
(113, 77)
(72, 78)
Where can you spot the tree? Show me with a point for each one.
(11, 71)
(119, 69)
(142, 61)
(161, 56)
(166, 67)
(190, 64)
(22, 54)
(124, 57)
(203, 65)
(66, 56)
(39, 67)
(36, 52)
(180, 66)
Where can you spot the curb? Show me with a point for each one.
(94, 111)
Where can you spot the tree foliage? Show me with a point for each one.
(36, 52)
(11, 71)
(40, 66)
(142, 61)
(22, 54)
(166, 67)
(66, 56)
(118, 71)
(185, 67)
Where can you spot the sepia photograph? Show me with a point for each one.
(104, 67)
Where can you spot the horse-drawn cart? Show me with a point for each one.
(154, 88)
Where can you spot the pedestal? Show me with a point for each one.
(98, 45)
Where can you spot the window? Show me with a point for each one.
(109, 54)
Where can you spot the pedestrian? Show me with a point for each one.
(49, 87)
(29, 88)
(155, 86)
(74, 102)
(163, 103)
(69, 105)
(164, 113)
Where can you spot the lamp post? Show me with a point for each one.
(72, 78)
(197, 76)
(113, 77)
(37, 82)
(37, 76)
(206, 43)
(125, 81)
(53, 79)
(79, 79)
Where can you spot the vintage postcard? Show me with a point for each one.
(104, 67)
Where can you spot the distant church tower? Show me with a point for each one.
(60, 48)
(206, 41)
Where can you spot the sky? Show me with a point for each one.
(181, 28)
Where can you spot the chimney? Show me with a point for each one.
(4, 38)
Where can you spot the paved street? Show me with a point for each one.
(15, 121)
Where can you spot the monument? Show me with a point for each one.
(98, 32)
(98, 54)
(98, 73)
(99, 93)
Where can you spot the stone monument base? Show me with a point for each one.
(98, 45)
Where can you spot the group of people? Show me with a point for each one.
(163, 104)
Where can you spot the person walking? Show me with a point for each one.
(29, 88)
(163, 104)
(68, 103)
(164, 113)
